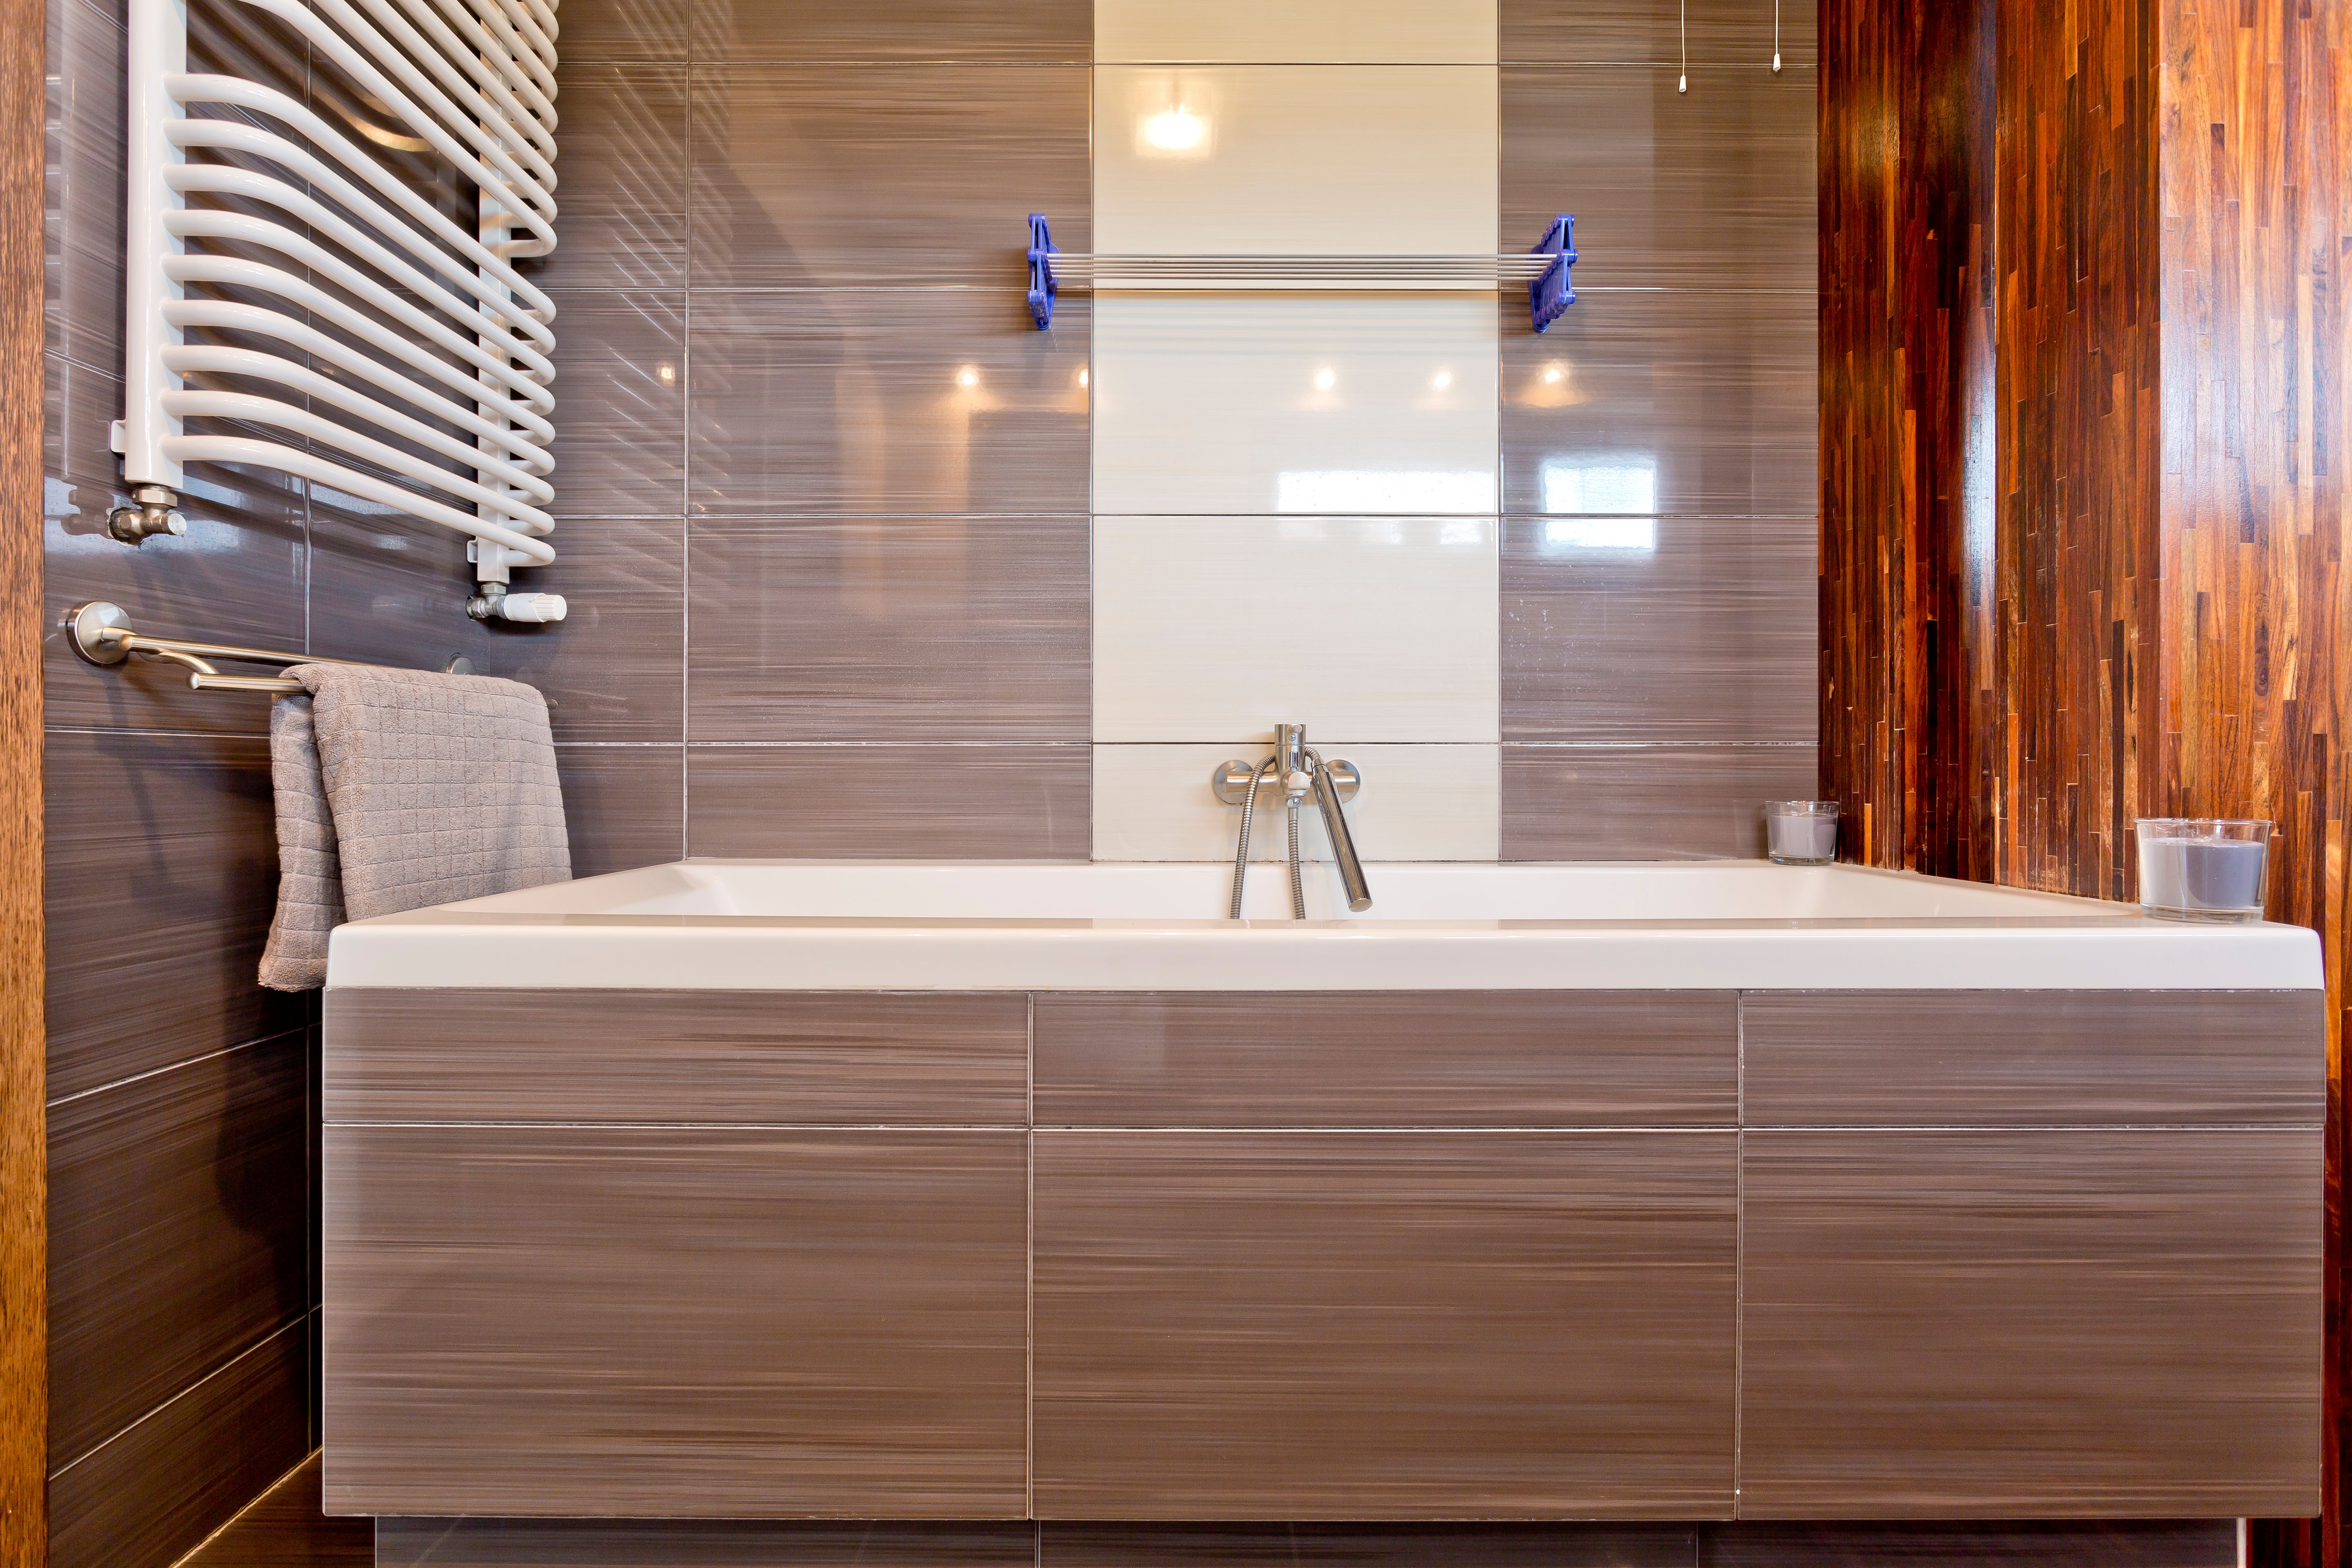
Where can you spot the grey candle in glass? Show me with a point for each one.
(2202, 869)
(1800, 832)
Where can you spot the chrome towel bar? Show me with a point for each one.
(100, 634)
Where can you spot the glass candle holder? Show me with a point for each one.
(2202, 869)
(1800, 832)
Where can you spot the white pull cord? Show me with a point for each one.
(1776, 38)
(1682, 83)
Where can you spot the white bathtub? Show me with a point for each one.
(1745, 925)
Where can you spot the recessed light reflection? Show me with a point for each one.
(967, 376)
(1177, 130)
(1554, 375)
(668, 375)
(1082, 378)
(1326, 380)
(1442, 379)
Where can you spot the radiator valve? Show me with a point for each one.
(156, 511)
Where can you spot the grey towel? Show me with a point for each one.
(397, 789)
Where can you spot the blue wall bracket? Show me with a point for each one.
(1041, 284)
(1552, 293)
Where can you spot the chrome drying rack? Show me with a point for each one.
(99, 632)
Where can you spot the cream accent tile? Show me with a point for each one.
(1270, 403)
(1418, 803)
(1402, 32)
(1382, 628)
(1290, 160)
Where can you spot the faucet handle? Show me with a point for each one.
(1232, 778)
(1345, 776)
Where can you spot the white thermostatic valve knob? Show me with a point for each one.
(535, 608)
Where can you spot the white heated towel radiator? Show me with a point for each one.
(307, 244)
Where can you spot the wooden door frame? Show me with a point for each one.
(23, 1046)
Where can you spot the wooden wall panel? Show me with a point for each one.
(2167, 596)
(1907, 234)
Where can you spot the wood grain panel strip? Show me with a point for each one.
(24, 1234)
(1403, 1545)
(1238, 1326)
(2012, 1059)
(1514, 1059)
(2100, 1543)
(675, 1323)
(699, 1544)
(2029, 1325)
(800, 1056)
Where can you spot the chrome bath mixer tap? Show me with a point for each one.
(1300, 772)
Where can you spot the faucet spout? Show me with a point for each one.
(1343, 843)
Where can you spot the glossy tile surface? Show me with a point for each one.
(1382, 629)
(2007, 1325)
(1289, 160)
(1893, 1543)
(889, 802)
(145, 1498)
(958, 30)
(623, 195)
(857, 174)
(869, 1360)
(1716, 32)
(389, 589)
(1645, 802)
(2140, 1058)
(81, 299)
(163, 872)
(614, 668)
(701, 1544)
(235, 576)
(624, 806)
(1329, 404)
(601, 1056)
(600, 31)
(620, 442)
(1626, 628)
(882, 402)
(1418, 803)
(1501, 1545)
(1330, 32)
(1708, 189)
(1264, 1326)
(178, 1234)
(1699, 404)
(890, 629)
(1426, 1058)
(285, 1528)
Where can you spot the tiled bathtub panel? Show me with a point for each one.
(1330, 32)
(859, 175)
(889, 628)
(985, 31)
(623, 168)
(612, 668)
(1708, 189)
(1645, 802)
(624, 805)
(1685, 629)
(1444, 1545)
(1656, 32)
(620, 415)
(1291, 159)
(888, 802)
(1378, 628)
(710, 1543)
(1647, 402)
(1418, 803)
(1330, 403)
(885, 402)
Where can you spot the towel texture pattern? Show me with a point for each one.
(397, 789)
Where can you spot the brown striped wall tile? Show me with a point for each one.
(890, 802)
(1645, 802)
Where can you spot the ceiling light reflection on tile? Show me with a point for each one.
(1383, 490)
(967, 377)
(1176, 133)
(1610, 485)
(1600, 533)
